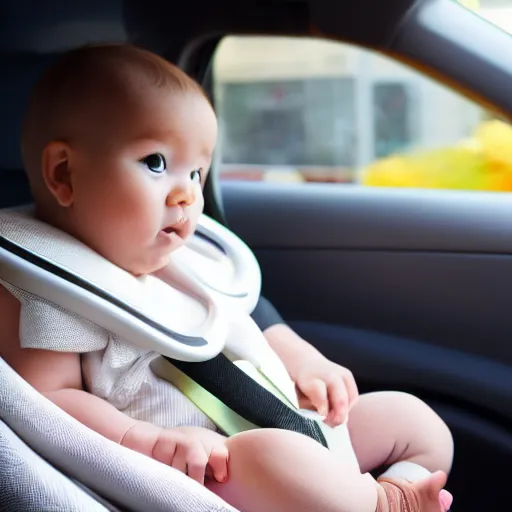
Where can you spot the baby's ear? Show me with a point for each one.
(57, 173)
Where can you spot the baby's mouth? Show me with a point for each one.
(177, 228)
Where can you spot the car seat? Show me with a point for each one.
(49, 460)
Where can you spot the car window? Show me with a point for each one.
(310, 110)
(498, 12)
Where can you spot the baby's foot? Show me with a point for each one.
(426, 495)
(446, 500)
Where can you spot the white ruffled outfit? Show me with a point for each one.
(112, 369)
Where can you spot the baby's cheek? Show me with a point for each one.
(197, 207)
(132, 213)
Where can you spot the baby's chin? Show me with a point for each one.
(148, 269)
(153, 255)
(154, 265)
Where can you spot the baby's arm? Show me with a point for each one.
(58, 376)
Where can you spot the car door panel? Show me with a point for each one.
(409, 289)
(385, 262)
(404, 273)
(455, 301)
(334, 216)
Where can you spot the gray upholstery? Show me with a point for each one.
(122, 476)
(29, 483)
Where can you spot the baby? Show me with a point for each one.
(117, 144)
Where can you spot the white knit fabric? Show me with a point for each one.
(133, 480)
(46, 326)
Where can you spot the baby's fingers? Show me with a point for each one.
(165, 449)
(338, 398)
(316, 391)
(196, 463)
(218, 463)
(180, 458)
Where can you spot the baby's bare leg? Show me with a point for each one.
(389, 427)
(281, 471)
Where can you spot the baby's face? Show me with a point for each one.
(137, 193)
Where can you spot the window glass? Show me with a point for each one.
(498, 12)
(310, 110)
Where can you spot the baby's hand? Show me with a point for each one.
(195, 451)
(191, 449)
(327, 387)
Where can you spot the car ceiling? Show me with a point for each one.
(413, 30)
(56, 25)
(47, 27)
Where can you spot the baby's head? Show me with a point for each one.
(116, 144)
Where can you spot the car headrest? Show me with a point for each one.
(19, 73)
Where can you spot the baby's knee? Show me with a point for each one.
(421, 412)
(428, 431)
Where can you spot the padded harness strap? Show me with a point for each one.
(246, 397)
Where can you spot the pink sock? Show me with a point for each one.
(412, 473)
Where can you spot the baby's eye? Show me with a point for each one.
(155, 163)
(195, 175)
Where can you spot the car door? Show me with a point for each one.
(383, 226)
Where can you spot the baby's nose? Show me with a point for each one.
(181, 195)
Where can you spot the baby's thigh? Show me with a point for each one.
(269, 445)
(258, 468)
(287, 451)
(273, 469)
